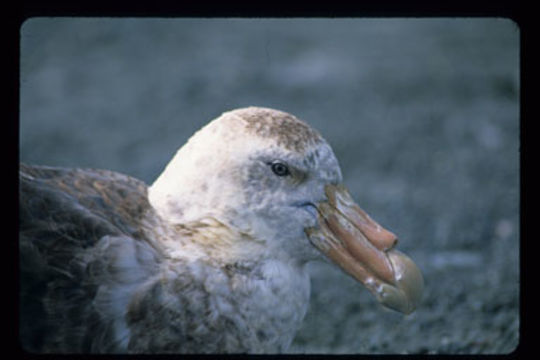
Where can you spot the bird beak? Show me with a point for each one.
(365, 250)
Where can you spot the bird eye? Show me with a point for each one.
(280, 169)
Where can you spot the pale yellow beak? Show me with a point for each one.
(365, 250)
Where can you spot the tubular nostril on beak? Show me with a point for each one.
(339, 197)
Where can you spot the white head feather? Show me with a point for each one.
(223, 173)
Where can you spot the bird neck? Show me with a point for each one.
(212, 239)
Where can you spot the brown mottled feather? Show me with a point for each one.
(290, 132)
(64, 214)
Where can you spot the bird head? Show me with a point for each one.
(272, 177)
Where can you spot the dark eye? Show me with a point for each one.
(280, 169)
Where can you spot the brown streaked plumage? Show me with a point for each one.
(289, 131)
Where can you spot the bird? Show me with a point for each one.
(209, 258)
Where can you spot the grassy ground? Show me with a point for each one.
(422, 114)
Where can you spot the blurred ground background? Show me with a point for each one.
(423, 115)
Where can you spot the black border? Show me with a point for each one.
(14, 17)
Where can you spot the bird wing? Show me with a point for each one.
(81, 257)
